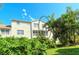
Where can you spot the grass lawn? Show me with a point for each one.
(71, 50)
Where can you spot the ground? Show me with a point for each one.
(71, 50)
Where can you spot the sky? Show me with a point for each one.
(30, 11)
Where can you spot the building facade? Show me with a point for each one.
(20, 28)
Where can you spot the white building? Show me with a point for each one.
(20, 28)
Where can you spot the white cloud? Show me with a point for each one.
(31, 17)
(25, 14)
(24, 10)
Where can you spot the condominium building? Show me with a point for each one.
(19, 28)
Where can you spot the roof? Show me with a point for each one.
(27, 21)
(4, 27)
(21, 21)
(8, 26)
(39, 20)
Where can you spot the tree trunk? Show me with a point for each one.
(74, 38)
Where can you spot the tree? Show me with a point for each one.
(65, 27)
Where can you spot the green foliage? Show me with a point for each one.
(65, 27)
(24, 46)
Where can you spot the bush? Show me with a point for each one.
(49, 43)
(24, 46)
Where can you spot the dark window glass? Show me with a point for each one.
(20, 32)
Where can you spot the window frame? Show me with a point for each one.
(20, 32)
(3, 31)
(35, 24)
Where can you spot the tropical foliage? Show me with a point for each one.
(66, 27)
(23, 46)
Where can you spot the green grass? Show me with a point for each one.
(71, 50)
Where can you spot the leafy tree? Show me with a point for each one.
(65, 27)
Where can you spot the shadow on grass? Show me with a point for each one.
(70, 51)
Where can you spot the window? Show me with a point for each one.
(35, 33)
(20, 32)
(35, 24)
(5, 31)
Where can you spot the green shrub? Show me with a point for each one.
(24, 46)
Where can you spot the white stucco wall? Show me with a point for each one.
(27, 27)
(21, 26)
(41, 28)
(40, 25)
(0, 32)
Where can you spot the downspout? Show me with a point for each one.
(31, 29)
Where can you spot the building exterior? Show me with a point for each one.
(5, 31)
(20, 28)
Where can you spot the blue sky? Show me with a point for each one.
(10, 11)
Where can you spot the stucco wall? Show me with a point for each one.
(27, 28)
(21, 26)
(41, 28)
